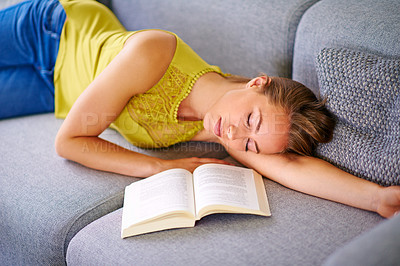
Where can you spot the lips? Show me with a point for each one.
(217, 128)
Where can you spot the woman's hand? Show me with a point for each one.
(388, 201)
(319, 178)
(188, 163)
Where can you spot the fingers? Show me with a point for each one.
(191, 163)
(389, 202)
(212, 160)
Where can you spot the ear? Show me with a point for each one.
(259, 81)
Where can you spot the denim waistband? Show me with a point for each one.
(55, 18)
(51, 20)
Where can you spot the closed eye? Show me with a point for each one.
(248, 126)
(248, 120)
(251, 146)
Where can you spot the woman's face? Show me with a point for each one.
(244, 120)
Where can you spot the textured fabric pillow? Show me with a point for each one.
(363, 92)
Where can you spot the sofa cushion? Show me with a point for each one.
(7, 3)
(366, 25)
(45, 200)
(303, 230)
(242, 37)
(363, 92)
(380, 246)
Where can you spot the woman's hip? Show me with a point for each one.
(30, 33)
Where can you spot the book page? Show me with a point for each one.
(171, 190)
(217, 184)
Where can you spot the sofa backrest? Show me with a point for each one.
(365, 25)
(242, 37)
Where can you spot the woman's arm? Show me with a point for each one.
(137, 68)
(319, 178)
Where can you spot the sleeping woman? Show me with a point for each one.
(76, 59)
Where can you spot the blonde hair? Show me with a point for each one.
(310, 122)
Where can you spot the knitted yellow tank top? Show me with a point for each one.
(92, 36)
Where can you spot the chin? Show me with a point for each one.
(206, 123)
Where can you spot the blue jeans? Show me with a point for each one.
(29, 40)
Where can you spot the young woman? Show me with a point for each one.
(151, 87)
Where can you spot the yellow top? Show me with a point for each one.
(92, 36)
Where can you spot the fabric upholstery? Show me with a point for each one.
(380, 246)
(45, 199)
(366, 25)
(303, 230)
(363, 92)
(7, 3)
(242, 37)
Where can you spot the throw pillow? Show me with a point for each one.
(363, 92)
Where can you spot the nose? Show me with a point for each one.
(234, 132)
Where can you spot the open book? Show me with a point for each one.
(175, 198)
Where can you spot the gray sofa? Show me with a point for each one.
(56, 212)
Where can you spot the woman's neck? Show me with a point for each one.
(207, 90)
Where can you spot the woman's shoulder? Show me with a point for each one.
(146, 55)
(155, 42)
